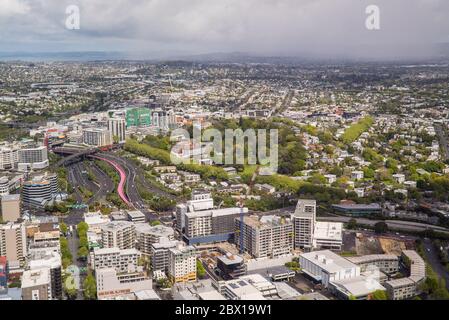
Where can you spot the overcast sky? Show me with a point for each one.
(409, 28)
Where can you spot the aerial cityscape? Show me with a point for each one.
(227, 176)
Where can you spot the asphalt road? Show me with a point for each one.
(135, 174)
(106, 185)
(73, 246)
(394, 224)
(432, 259)
(444, 143)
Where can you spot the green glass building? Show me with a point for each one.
(138, 117)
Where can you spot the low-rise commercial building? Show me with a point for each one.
(36, 284)
(111, 284)
(387, 263)
(406, 288)
(325, 267)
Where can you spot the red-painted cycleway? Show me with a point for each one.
(121, 186)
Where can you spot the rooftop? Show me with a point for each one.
(328, 260)
(328, 230)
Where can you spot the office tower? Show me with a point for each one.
(119, 234)
(13, 243)
(33, 158)
(147, 235)
(117, 127)
(97, 137)
(36, 284)
(304, 220)
(10, 207)
(40, 190)
(269, 236)
(182, 263)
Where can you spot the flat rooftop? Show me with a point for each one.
(327, 260)
(328, 230)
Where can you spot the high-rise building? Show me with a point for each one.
(182, 263)
(34, 158)
(160, 254)
(269, 236)
(119, 234)
(13, 243)
(117, 127)
(97, 137)
(9, 157)
(200, 222)
(138, 117)
(147, 235)
(10, 207)
(304, 219)
(40, 190)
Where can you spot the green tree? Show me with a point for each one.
(379, 295)
(352, 224)
(200, 271)
(83, 252)
(155, 223)
(63, 228)
(90, 287)
(69, 287)
(380, 227)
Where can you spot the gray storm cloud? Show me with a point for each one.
(287, 27)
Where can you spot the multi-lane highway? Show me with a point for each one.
(133, 175)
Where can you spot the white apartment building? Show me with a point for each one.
(13, 243)
(119, 234)
(182, 263)
(304, 219)
(269, 236)
(146, 235)
(97, 137)
(160, 258)
(33, 159)
(9, 157)
(121, 260)
(117, 128)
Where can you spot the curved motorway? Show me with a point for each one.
(123, 178)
